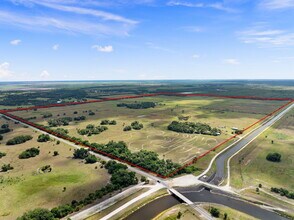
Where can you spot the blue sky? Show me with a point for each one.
(146, 39)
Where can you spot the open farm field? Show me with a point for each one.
(25, 187)
(223, 114)
(250, 167)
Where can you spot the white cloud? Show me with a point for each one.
(277, 4)
(217, 5)
(231, 61)
(195, 56)
(266, 37)
(105, 49)
(55, 47)
(15, 42)
(4, 70)
(45, 74)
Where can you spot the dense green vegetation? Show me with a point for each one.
(214, 212)
(1, 137)
(2, 154)
(6, 167)
(127, 128)
(120, 178)
(81, 153)
(274, 157)
(61, 131)
(31, 152)
(4, 129)
(283, 192)
(47, 115)
(43, 138)
(137, 105)
(91, 159)
(80, 118)
(19, 140)
(134, 125)
(143, 158)
(91, 129)
(108, 122)
(193, 128)
(59, 122)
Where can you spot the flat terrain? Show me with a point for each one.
(250, 167)
(187, 213)
(25, 187)
(220, 113)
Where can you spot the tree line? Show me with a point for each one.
(137, 105)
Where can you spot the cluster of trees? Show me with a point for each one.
(28, 153)
(108, 122)
(83, 153)
(19, 140)
(61, 131)
(47, 115)
(274, 157)
(283, 192)
(43, 138)
(80, 118)
(193, 128)
(91, 113)
(4, 129)
(147, 159)
(137, 105)
(134, 125)
(59, 122)
(91, 129)
(2, 154)
(120, 178)
(6, 167)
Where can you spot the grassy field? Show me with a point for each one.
(250, 167)
(232, 213)
(220, 113)
(26, 188)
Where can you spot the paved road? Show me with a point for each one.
(222, 158)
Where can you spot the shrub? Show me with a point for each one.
(31, 152)
(55, 153)
(4, 129)
(47, 115)
(274, 157)
(2, 154)
(43, 138)
(127, 128)
(136, 125)
(214, 212)
(81, 153)
(6, 167)
(19, 140)
(91, 159)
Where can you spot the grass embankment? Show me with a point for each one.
(186, 213)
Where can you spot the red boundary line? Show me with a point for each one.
(6, 112)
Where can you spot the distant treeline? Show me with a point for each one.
(137, 105)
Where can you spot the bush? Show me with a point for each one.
(61, 131)
(1, 137)
(47, 115)
(4, 129)
(214, 212)
(43, 138)
(6, 167)
(274, 157)
(55, 153)
(136, 125)
(127, 128)
(19, 140)
(62, 211)
(37, 214)
(59, 122)
(81, 153)
(2, 154)
(31, 152)
(91, 159)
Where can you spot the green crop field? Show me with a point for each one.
(179, 147)
(25, 187)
